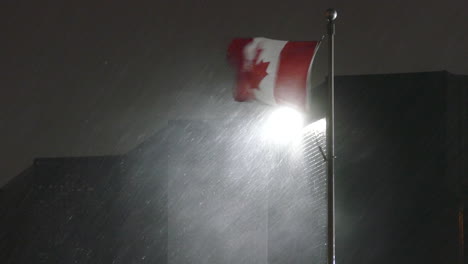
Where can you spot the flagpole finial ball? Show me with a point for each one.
(331, 14)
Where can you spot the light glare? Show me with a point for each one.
(284, 125)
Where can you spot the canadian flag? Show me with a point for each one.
(274, 72)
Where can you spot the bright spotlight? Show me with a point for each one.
(284, 125)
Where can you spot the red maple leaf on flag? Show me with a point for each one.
(258, 71)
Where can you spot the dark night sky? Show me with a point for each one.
(98, 77)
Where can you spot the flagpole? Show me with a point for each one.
(331, 15)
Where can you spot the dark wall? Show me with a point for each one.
(82, 210)
(395, 202)
(60, 217)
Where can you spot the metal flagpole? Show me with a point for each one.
(331, 15)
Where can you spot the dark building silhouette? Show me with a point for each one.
(209, 192)
(401, 141)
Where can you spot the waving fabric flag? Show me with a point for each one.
(272, 71)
